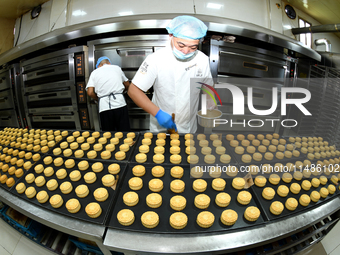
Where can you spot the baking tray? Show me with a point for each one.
(17, 180)
(98, 158)
(265, 204)
(238, 157)
(167, 154)
(165, 211)
(183, 154)
(83, 201)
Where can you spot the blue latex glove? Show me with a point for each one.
(165, 120)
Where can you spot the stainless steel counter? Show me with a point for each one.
(145, 243)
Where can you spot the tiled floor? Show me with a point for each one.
(14, 243)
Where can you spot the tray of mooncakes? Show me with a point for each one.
(114, 146)
(183, 199)
(78, 188)
(261, 149)
(282, 194)
(180, 149)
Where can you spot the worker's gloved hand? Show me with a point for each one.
(165, 120)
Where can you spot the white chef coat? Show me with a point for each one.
(106, 80)
(174, 90)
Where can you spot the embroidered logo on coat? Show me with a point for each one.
(199, 73)
(189, 67)
(144, 68)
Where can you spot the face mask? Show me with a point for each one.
(180, 55)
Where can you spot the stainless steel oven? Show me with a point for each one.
(10, 114)
(54, 89)
(128, 52)
(248, 66)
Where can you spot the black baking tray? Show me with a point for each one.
(238, 157)
(265, 204)
(17, 180)
(165, 211)
(182, 146)
(213, 151)
(83, 201)
(98, 158)
(149, 155)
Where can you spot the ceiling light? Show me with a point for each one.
(125, 13)
(214, 6)
(79, 13)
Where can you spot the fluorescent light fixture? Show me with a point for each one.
(79, 13)
(125, 13)
(287, 27)
(214, 6)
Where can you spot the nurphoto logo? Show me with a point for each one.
(239, 104)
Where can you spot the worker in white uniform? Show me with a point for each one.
(170, 71)
(106, 85)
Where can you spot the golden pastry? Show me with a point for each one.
(244, 197)
(229, 217)
(150, 219)
(276, 208)
(30, 192)
(120, 155)
(108, 180)
(304, 200)
(178, 203)
(238, 183)
(100, 194)
(218, 184)
(159, 158)
(135, 183)
(93, 210)
(73, 205)
(114, 168)
(274, 179)
(196, 172)
(291, 204)
(202, 201)
(154, 200)
(295, 188)
(252, 213)
(192, 159)
(177, 186)
(131, 198)
(52, 184)
(260, 181)
(156, 185)
(174, 159)
(126, 217)
(225, 158)
(215, 172)
(178, 220)
(199, 185)
(205, 219)
(66, 187)
(20, 188)
(61, 174)
(306, 185)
